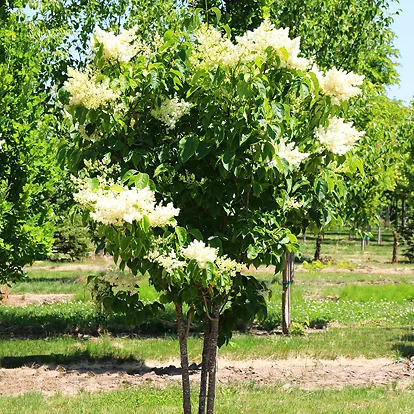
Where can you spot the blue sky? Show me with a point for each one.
(403, 27)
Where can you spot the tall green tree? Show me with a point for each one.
(28, 169)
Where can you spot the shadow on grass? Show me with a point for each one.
(42, 321)
(406, 345)
(51, 280)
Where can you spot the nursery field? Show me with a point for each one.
(351, 347)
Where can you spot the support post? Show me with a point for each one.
(379, 242)
(287, 275)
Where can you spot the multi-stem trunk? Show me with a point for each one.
(318, 247)
(185, 374)
(395, 248)
(204, 368)
(212, 366)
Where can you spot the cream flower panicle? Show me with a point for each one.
(290, 153)
(213, 50)
(338, 84)
(121, 48)
(2, 142)
(339, 136)
(125, 205)
(229, 266)
(255, 43)
(85, 90)
(170, 111)
(201, 253)
(169, 261)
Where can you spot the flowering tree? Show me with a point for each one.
(234, 141)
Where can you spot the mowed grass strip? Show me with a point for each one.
(231, 399)
(394, 343)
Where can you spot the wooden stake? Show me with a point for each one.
(379, 236)
(287, 279)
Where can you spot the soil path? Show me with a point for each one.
(295, 372)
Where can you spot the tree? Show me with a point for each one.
(218, 129)
(28, 169)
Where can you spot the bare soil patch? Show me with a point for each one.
(304, 373)
(37, 299)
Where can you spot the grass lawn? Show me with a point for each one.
(232, 398)
(350, 342)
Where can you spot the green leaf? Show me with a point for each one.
(188, 146)
(181, 235)
(252, 252)
(217, 12)
(196, 234)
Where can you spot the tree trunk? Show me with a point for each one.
(318, 247)
(185, 375)
(388, 217)
(395, 248)
(403, 213)
(204, 368)
(379, 242)
(287, 275)
(304, 235)
(212, 366)
(363, 243)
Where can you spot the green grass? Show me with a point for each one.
(397, 293)
(231, 398)
(337, 248)
(392, 343)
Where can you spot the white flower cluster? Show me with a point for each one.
(85, 90)
(198, 251)
(338, 84)
(2, 142)
(292, 203)
(339, 136)
(201, 253)
(254, 44)
(121, 48)
(120, 205)
(212, 49)
(169, 261)
(170, 111)
(229, 266)
(291, 153)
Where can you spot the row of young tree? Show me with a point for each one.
(198, 139)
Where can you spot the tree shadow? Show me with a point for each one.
(83, 362)
(406, 345)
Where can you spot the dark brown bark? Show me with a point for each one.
(395, 248)
(212, 365)
(185, 375)
(204, 368)
(318, 247)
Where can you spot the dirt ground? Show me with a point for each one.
(303, 373)
(36, 299)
